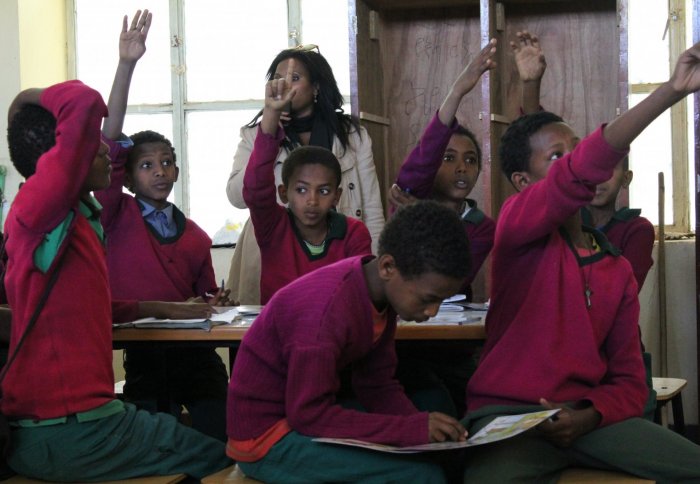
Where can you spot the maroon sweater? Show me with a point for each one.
(65, 365)
(283, 254)
(168, 269)
(289, 362)
(542, 339)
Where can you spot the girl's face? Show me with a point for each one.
(303, 102)
(459, 170)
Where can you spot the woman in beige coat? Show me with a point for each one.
(316, 118)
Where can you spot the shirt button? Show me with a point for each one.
(358, 212)
(351, 186)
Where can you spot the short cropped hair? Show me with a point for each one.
(310, 155)
(427, 237)
(515, 150)
(30, 134)
(142, 137)
(464, 131)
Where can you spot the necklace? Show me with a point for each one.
(587, 292)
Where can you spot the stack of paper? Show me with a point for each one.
(223, 315)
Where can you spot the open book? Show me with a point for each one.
(499, 428)
(223, 315)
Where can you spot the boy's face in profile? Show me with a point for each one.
(417, 298)
(152, 173)
(98, 177)
(548, 144)
(459, 171)
(312, 192)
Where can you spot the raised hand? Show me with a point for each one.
(279, 92)
(529, 58)
(471, 74)
(443, 428)
(686, 75)
(132, 41)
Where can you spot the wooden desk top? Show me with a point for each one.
(229, 333)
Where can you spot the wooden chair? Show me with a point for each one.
(230, 475)
(669, 389)
(577, 475)
(137, 480)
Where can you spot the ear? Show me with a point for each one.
(627, 178)
(387, 267)
(520, 180)
(177, 173)
(282, 192)
(338, 193)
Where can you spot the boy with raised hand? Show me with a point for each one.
(155, 253)
(562, 325)
(59, 393)
(286, 375)
(309, 233)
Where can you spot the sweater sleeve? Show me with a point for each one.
(111, 198)
(311, 408)
(359, 241)
(418, 171)
(623, 391)
(569, 185)
(124, 311)
(55, 188)
(637, 248)
(480, 244)
(259, 190)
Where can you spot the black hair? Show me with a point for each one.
(142, 137)
(515, 150)
(30, 134)
(464, 131)
(329, 105)
(310, 155)
(427, 237)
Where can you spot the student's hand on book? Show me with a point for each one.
(686, 75)
(174, 310)
(568, 424)
(529, 58)
(443, 428)
(399, 198)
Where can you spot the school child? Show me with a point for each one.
(562, 325)
(343, 315)
(310, 233)
(155, 253)
(625, 228)
(444, 166)
(67, 424)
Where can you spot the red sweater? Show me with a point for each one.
(65, 365)
(289, 362)
(417, 174)
(542, 340)
(633, 235)
(283, 254)
(142, 265)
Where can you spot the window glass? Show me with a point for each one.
(648, 41)
(97, 48)
(213, 137)
(650, 153)
(230, 45)
(325, 23)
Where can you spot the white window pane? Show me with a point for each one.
(230, 45)
(650, 153)
(648, 48)
(98, 25)
(213, 138)
(325, 23)
(160, 123)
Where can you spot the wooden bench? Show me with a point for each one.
(577, 475)
(230, 475)
(669, 389)
(136, 480)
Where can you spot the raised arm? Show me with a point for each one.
(531, 65)
(684, 80)
(132, 46)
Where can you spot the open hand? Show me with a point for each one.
(132, 41)
(568, 424)
(529, 58)
(443, 428)
(686, 75)
(471, 74)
